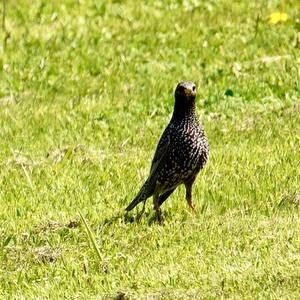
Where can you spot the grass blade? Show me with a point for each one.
(91, 238)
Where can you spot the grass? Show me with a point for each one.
(86, 89)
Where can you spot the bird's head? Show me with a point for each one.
(185, 92)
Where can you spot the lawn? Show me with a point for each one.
(86, 89)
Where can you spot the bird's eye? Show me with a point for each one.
(194, 88)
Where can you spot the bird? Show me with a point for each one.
(181, 153)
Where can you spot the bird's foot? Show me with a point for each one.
(159, 218)
(193, 207)
(158, 214)
(139, 216)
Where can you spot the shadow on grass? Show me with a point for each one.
(129, 218)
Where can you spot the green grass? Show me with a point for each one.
(86, 88)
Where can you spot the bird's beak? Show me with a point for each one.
(189, 92)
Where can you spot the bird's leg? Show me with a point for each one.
(164, 197)
(188, 195)
(142, 212)
(156, 206)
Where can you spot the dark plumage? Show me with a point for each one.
(180, 154)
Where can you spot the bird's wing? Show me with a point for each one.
(161, 150)
(149, 186)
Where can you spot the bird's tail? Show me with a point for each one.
(142, 195)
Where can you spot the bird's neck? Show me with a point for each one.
(183, 111)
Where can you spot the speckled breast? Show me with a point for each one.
(187, 155)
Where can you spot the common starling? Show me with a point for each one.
(181, 153)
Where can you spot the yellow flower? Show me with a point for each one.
(277, 17)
